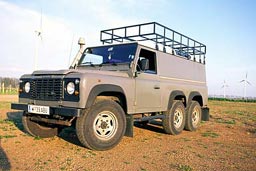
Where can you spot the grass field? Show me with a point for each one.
(226, 142)
(8, 91)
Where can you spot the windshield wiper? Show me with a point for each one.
(91, 64)
(108, 62)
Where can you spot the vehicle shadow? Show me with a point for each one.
(16, 118)
(69, 134)
(4, 161)
(153, 125)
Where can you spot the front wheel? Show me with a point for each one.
(102, 126)
(174, 120)
(38, 129)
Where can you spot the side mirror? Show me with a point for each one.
(144, 64)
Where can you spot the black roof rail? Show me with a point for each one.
(157, 33)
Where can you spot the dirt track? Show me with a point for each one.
(226, 142)
(8, 98)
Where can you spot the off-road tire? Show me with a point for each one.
(174, 120)
(102, 126)
(193, 116)
(38, 129)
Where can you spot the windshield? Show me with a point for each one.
(112, 54)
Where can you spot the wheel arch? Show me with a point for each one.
(177, 95)
(196, 96)
(108, 91)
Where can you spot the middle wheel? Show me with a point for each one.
(102, 126)
(174, 120)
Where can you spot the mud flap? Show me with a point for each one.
(205, 114)
(129, 126)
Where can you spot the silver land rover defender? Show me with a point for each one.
(141, 73)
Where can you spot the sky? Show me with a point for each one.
(227, 28)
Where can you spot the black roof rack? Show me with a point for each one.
(156, 33)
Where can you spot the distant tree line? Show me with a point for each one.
(9, 85)
(233, 100)
(9, 82)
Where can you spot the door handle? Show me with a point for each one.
(156, 87)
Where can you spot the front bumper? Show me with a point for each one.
(62, 111)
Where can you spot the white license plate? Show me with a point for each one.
(45, 110)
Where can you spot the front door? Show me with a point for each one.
(148, 90)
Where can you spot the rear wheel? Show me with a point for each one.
(174, 120)
(193, 118)
(35, 129)
(102, 126)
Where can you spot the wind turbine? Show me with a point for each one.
(224, 86)
(71, 48)
(39, 37)
(245, 81)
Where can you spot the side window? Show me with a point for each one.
(151, 56)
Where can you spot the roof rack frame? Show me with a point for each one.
(175, 40)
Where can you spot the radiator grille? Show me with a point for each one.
(47, 89)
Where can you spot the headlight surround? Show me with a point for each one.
(27, 87)
(71, 88)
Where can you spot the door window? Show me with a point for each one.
(151, 57)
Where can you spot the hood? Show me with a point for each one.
(69, 71)
(52, 72)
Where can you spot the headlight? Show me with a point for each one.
(27, 87)
(70, 88)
